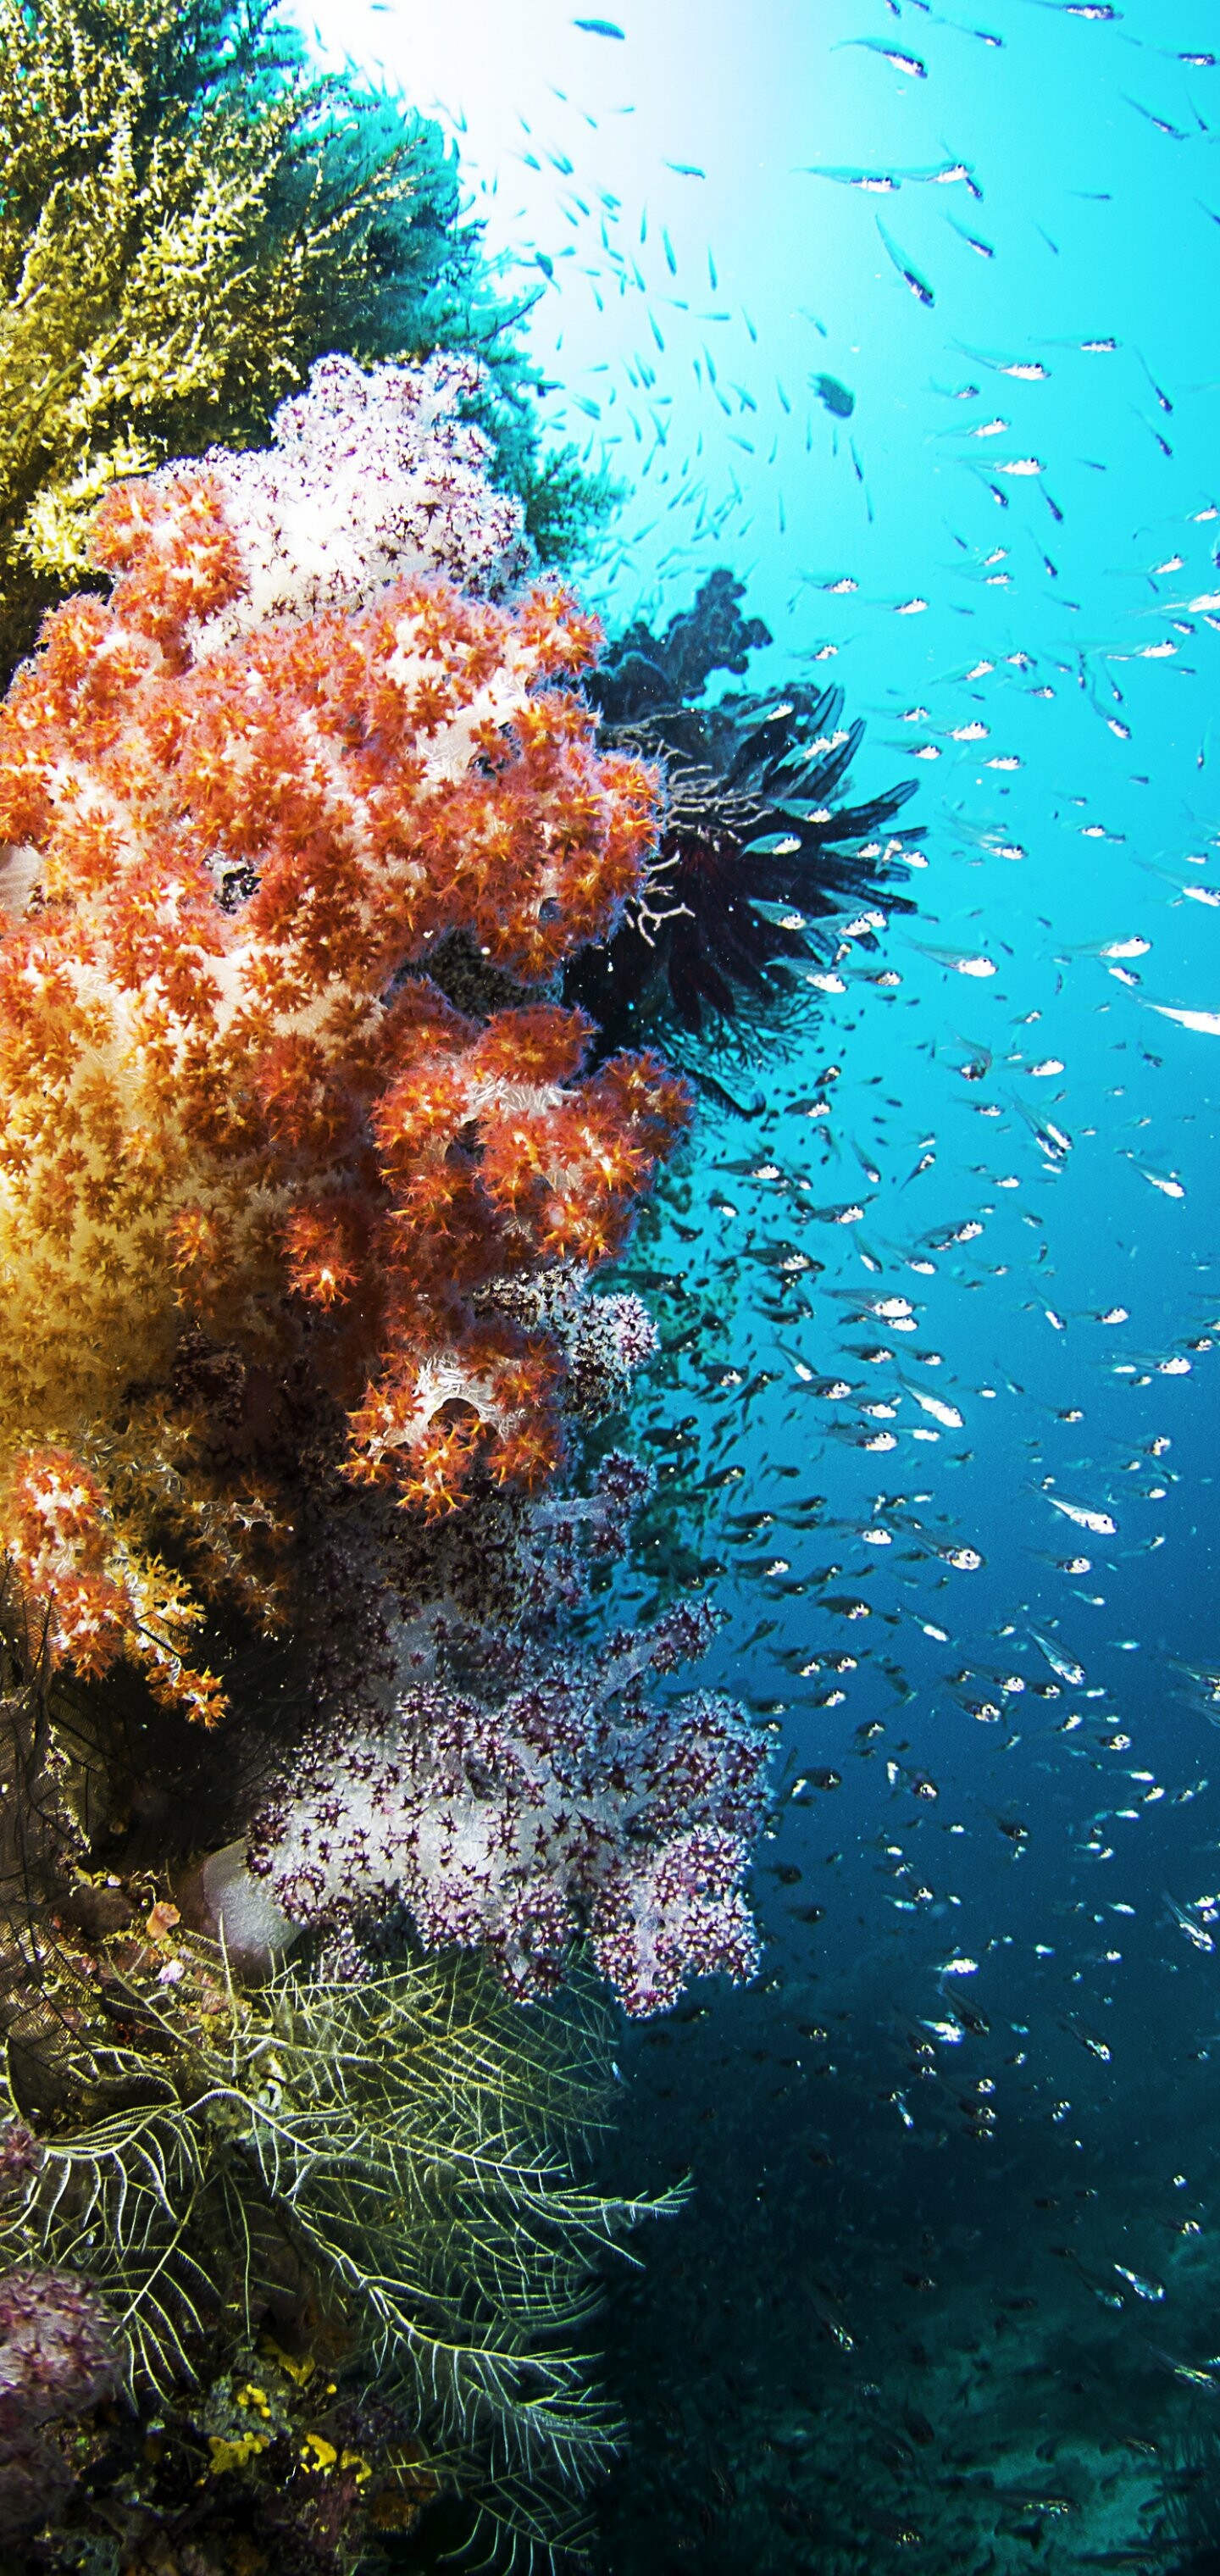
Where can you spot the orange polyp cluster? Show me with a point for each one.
(323, 1254)
(254, 1113)
(93, 1599)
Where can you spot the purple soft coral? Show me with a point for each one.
(571, 1808)
(57, 2355)
(369, 476)
(57, 2358)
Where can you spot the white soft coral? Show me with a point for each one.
(369, 477)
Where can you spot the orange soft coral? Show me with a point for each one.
(231, 1100)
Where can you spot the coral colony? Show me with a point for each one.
(304, 1180)
(630, 1824)
(233, 1102)
(57, 2356)
(370, 477)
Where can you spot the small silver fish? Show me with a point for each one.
(976, 966)
(1099, 1522)
(909, 274)
(1166, 1182)
(1151, 2290)
(908, 63)
(1194, 1931)
(944, 1413)
(1059, 1663)
(1204, 1023)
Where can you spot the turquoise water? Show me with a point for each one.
(947, 2295)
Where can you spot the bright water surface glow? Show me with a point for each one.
(916, 2316)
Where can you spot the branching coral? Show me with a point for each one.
(402, 2145)
(233, 1103)
(570, 1807)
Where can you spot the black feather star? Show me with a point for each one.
(756, 863)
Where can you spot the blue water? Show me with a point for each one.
(900, 2322)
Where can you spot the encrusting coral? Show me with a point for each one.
(189, 216)
(233, 1102)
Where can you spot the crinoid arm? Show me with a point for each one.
(409, 2144)
(760, 860)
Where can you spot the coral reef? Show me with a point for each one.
(235, 1106)
(190, 216)
(570, 1807)
(755, 863)
(306, 1170)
